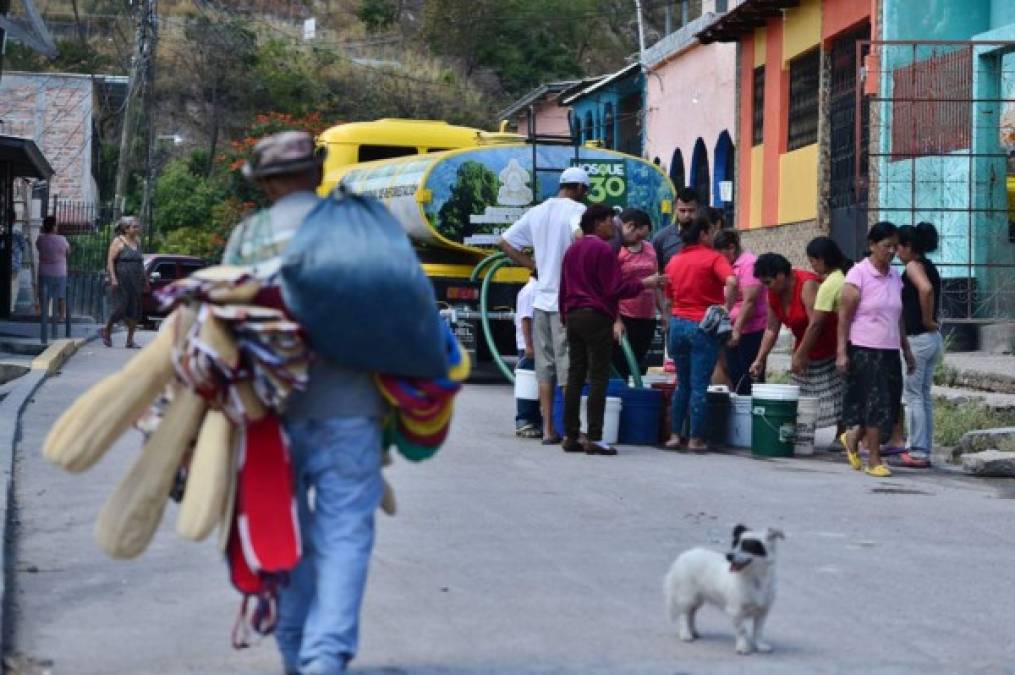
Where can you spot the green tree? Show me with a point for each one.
(475, 188)
(184, 199)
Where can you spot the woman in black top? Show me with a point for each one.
(921, 301)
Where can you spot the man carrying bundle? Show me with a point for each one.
(334, 433)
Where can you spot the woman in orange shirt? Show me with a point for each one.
(699, 277)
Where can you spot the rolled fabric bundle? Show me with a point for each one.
(86, 431)
(204, 499)
(131, 515)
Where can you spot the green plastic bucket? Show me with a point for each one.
(773, 420)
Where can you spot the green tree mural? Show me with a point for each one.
(475, 188)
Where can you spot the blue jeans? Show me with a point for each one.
(927, 350)
(695, 353)
(318, 622)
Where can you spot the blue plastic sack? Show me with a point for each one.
(352, 279)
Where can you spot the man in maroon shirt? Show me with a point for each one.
(591, 288)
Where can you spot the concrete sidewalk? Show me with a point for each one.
(508, 557)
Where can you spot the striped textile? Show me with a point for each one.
(823, 382)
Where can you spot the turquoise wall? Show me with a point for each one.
(597, 101)
(1002, 13)
(935, 19)
(965, 197)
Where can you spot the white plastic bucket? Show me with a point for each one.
(776, 392)
(739, 428)
(526, 387)
(611, 419)
(806, 423)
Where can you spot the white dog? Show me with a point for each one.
(742, 583)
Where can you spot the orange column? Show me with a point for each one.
(746, 108)
(776, 103)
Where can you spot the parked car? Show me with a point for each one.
(162, 269)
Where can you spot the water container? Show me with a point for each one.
(665, 419)
(611, 418)
(806, 422)
(739, 428)
(526, 387)
(639, 416)
(717, 411)
(773, 419)
(613, 388)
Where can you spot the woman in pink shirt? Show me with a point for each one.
(53, 252)
(637, 318)
(749, 314)
(871, 334)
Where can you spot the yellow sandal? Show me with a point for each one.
(852, 456)
(878, 471)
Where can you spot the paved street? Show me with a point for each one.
(508, 557)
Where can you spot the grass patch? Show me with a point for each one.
(953, 418)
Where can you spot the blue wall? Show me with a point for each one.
(612, 94)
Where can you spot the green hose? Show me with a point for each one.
(482, 264)
(483, 313)
(495, 262)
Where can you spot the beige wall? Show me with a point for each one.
(789, 240)
(550, 119)
(689, 96)
(54, 110)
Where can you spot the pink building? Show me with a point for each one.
(550, 117)
(690, 103)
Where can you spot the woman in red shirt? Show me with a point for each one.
(699, 277)
(791, 295)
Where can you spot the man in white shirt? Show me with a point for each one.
(548, 229)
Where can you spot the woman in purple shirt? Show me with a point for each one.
(871, 334)
(591, 288)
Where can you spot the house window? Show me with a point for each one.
(930, 105)
(608, 123)
(758, 106)
(804, 78)
(590, 127)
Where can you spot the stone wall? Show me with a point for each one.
(789, 240)
(55, 110)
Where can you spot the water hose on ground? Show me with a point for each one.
(491, 265)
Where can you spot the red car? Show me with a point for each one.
(161, 269)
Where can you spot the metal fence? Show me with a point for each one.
(941, 143)
(88, 227)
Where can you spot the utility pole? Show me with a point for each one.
(147, 211)
(140, 60)
(641, 35)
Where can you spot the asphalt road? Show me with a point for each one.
(509, 557)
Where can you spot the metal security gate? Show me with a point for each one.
(847, 197)
(942, 132)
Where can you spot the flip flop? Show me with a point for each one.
(889, 450)
(132, 345)
(104, 336)
(878, 471)
(851, 455)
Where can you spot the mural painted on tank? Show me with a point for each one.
(470, 197)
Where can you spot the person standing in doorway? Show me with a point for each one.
(53, 253)
(591, 287)
(125, 267)
(921, 304)
(18, 246)
(637, 315)
(549, 229)
(871, 334)
(749, 314)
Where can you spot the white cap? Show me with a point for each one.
(574, 175)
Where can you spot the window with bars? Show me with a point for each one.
(804, 80)
(931, 113)
(758, 107)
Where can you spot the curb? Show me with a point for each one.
(56, 354)
(11, 409)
